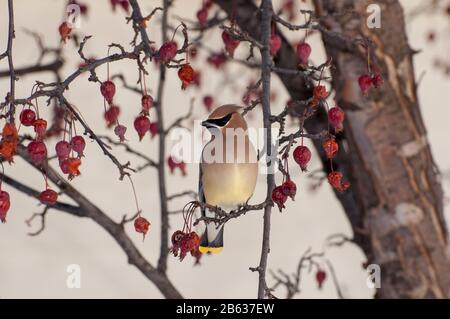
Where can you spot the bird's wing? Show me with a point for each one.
(201, 194)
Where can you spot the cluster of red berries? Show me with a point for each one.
(175, 163)
(365, 81)
(69, 162)
(184, 243)
(186, 240)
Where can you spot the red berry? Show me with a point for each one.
(320, 92)
(142, 125)
(302, 156)
(78, 144)
(202, 17)
(73, 165)
(335, 180)
(111, 115)
(330, 147)
(40, 126)
(186, 75)
(279, 197)
(336, 117)
(63, 165)
(64, 31)
(37, 151)
(125, 5)
(377, 80)
(364, 81)
(289, 188)
(154, 129)
(146, 102)
(120, 131)
(5, 204)
(230, 43)
(208, 102)
(175, 163)
(108, 89)
(168, 51)
(48, 197)
(320, 277)
(141, 225)
(275, 44)
(62, 149)
(27, 117)
(217, 59)
(303, 52)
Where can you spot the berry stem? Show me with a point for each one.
(135, 194)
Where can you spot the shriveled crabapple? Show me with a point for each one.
(141, 225)
(335, 180)
(275, 44)
(111, 115)
(78, 144)
(186, 75)
(48, 197)
(364, 81)
(202, 17)
(303, 52)
(120, 131)
(208, 101)
(62, 149)
(5, 204)
(197, 78)
(330, 147)
(279, 197)
(176, 239)
(146, 102)
(40, 126)
(27, 117)
(124, 4)
(302, 156)
(336, 117)
(64, 31)
(320, 92)
(9, 142)
(167, 51)
(108, 90)
(190, 242)
(37, 151)
(320, 277)
(175, 163)
(289, 188)
(217, 60)
(230, 43)
(377, 80)
(142, 125)
(73, 165)
(154, 129)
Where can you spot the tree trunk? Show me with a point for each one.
(395, 203)
(394, 177)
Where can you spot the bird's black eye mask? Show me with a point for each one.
(220, 122)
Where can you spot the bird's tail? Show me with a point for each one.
(212, 239)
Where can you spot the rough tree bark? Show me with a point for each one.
(393, 173)
(395, 204)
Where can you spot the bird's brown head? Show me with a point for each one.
(225, 116)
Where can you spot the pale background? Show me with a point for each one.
(35, 267)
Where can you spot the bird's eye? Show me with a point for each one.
(221, 121)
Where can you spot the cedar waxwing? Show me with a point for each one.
(228, 169)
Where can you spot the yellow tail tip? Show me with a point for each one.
(213, 250)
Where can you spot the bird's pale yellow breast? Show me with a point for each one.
(228, 184)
